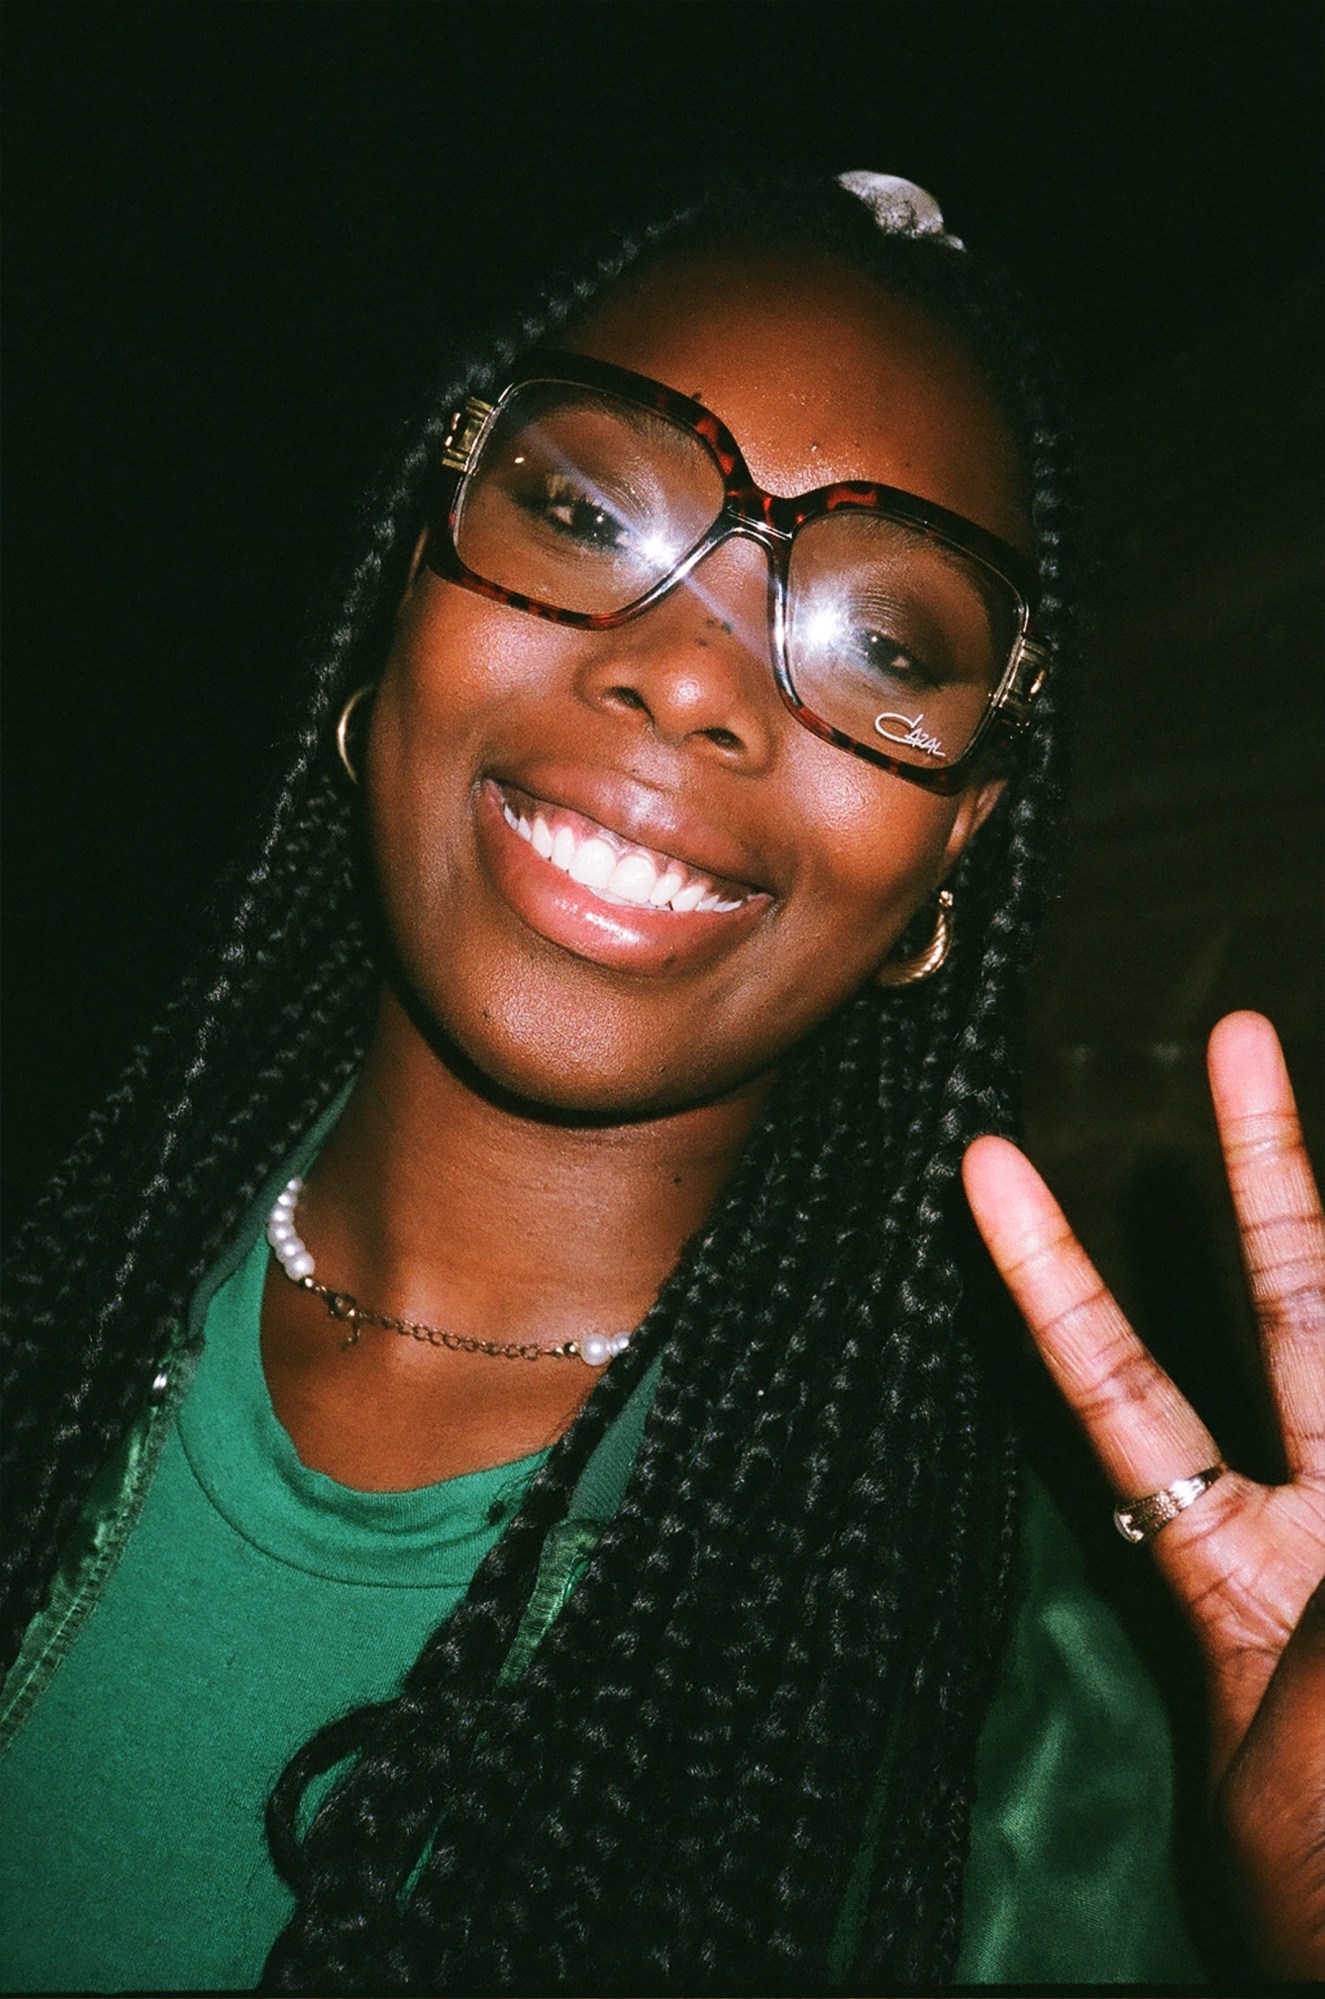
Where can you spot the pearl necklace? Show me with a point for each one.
(595, 1349)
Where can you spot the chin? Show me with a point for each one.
(561, 1080)
(525, 1053)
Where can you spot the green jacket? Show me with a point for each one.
(1069, 1876)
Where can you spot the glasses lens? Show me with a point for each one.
(896, 638)
(582, 500)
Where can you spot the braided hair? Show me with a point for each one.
(798, 1607)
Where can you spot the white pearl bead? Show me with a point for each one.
(595, 1349)
(284, 1237)
(619, 1342)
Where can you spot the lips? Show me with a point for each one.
(594, 890)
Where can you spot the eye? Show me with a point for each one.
(582, 516)
(844, 639)
(884, 655)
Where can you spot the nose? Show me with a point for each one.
(697, 666)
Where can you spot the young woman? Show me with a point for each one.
(591, 1531)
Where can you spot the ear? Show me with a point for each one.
(977, 802)
(416, 560)
(412, 574)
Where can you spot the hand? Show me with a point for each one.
(1245, 1561)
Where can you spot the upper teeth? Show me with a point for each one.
(636, 876)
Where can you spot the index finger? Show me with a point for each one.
(1144, 1431)
(1279, 1217)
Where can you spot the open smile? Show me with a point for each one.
(602, 895)
(619, 870)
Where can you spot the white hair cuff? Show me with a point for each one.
(900, 207)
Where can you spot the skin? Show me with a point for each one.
(536, 1132)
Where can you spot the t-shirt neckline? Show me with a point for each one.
(243, 1458)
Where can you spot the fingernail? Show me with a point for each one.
(1249, 1046)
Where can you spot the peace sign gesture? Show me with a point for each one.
(1245, 1561)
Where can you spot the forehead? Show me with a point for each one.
(820, 374)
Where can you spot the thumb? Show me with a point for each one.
(1272, 1805)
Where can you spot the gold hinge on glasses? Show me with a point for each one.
(1028, 671)
(463, 433)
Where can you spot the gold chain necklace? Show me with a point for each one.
(595, 1349)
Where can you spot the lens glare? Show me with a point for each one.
(583, 500)
(894, 637)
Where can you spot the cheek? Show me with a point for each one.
(423, 715)
(879, 845)
(456, 663)
(453, 651)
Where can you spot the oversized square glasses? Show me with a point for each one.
(585, 493)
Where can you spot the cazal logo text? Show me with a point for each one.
(915, 738)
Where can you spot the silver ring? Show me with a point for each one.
(1141, 1519)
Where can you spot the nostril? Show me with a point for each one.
(724, 739)
(627, 697)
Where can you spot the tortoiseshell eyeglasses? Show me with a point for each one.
(585, 493)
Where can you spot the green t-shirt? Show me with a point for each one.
(257, 1599)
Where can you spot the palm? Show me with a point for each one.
(1246, 1561)
(1244, 1578)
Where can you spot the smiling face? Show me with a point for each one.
(618, 873)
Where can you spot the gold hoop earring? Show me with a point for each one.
(343, 727)
(908, 971)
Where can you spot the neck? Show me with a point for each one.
(437, 1199)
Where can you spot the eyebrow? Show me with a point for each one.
(650, 423)
(969, 567)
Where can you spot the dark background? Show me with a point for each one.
(234, 234)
